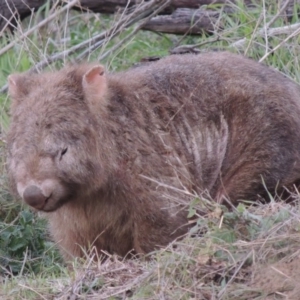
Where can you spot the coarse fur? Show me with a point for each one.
(111, 158)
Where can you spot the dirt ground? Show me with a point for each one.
(280, 280)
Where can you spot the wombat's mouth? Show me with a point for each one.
(50, 207)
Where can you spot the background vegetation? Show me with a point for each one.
(251, 252)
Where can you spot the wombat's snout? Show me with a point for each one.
(34, 197)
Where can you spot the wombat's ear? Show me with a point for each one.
(94, 81)
(16, 86)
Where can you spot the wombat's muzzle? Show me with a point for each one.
(34, 197)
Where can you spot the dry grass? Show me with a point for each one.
(247, 254)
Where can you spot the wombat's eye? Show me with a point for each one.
(63, 151)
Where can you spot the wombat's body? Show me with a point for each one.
(111, 158)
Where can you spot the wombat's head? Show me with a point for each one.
(55, 152)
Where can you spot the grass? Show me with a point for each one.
(216, 266)
(251, 252)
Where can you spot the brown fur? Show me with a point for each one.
(107, 156)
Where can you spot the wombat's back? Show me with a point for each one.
(236, 120)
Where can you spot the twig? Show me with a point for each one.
(265, 28)
(168, 186)
(31, 289)
(282, 9)
(129, 286)
(253, 35)
(135, 31)
(8, 21)
(107, 39)
(284, 30)
(220, 294)
(97, 45)
(295, 33)
(41, 24)
(265, 31)
(135, 16)
(271, 32)
(186, 48)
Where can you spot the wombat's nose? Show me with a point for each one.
(34, 197)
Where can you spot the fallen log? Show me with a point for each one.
(183, 21)
(12, 11)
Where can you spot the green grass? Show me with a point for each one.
(217, 264)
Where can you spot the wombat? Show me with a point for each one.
(113, 159)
